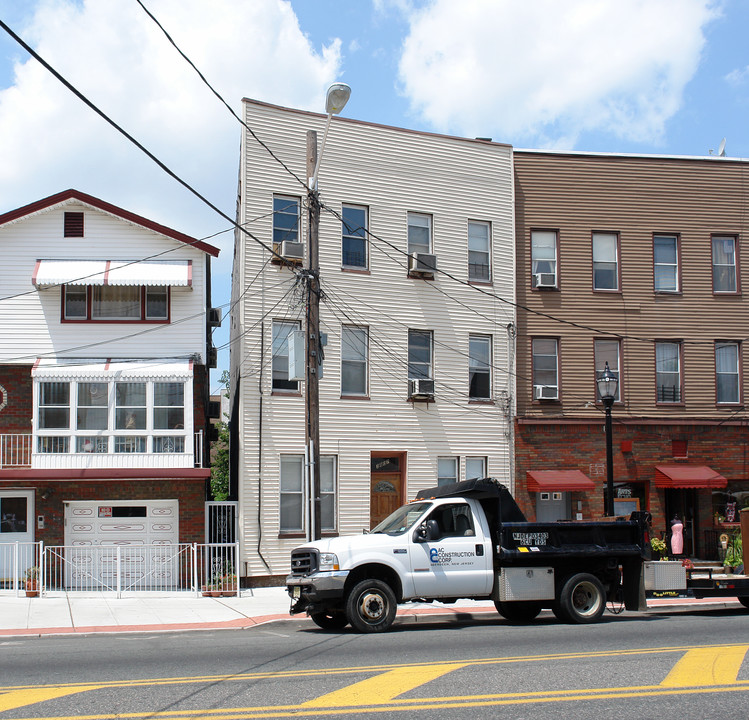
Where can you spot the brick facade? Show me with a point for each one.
(16, 381)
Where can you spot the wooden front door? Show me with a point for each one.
(386, 486)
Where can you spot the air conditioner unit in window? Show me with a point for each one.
(422, 264)
(292, 250)
(214, 409)
(421, 389)
(214, 317)
(545, 280)
(211, 359)
(545, 392)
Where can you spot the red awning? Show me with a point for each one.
(558, 481)
(688, 476)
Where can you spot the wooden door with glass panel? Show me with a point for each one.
(386, 486)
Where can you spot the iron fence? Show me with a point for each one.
(21, 562)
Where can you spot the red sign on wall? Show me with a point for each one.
(105, 511)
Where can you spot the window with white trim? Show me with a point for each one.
(727, 373)
(419, 233)
(280, 350)
(666, 263)
(479, 367)
(605, 261)
(607, 351)
(419, 354)
(292, 493)
(544, 258)
(354, 237)
(545, 353)
(354, 353)
(286, 219)
(475, 468)
(479, 245)
(447, 470)
(668, 372)
(724, 264)
(328, 493)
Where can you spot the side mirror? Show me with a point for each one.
(433, 530)
(420, 534)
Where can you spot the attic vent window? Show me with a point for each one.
(73, 224)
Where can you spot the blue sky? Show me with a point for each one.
(633, 76)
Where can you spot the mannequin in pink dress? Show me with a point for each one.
(677, 536)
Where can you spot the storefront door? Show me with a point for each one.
(682, 503)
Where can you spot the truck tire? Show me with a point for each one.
(581, 600)
(330, 620)
(370, 606)
(744, 601)
(521, 612)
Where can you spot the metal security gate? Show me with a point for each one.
(221, 522)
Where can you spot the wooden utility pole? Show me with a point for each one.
(312, 406)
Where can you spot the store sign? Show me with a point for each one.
(105, 511)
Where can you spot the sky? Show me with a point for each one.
(626, 76)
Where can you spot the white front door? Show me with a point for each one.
(16, 526)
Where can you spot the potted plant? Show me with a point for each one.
(658, 548)
(734, 559)
(31, 581)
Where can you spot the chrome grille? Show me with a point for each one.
(303, 562)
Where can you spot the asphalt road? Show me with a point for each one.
(680, 664)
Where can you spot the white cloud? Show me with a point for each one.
(738, 77)
(544, 71)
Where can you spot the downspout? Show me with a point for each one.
(260, 450)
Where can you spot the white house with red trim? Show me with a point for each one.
(105, 322)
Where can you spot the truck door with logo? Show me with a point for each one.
(451, 555)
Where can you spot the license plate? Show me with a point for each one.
(296, 592)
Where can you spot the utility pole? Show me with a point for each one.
(312, 391)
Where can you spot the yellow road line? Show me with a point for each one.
(18, 698)
(707, 666)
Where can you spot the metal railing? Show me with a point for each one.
(15, 450)
(21, 562)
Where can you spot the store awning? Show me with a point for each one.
(171, 273)
(71, 370)
(558, 481)
(688, 476)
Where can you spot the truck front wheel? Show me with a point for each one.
(582, 599)
(370, 606)
(330, 620)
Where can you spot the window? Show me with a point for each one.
(73, 224)
(328, 482)
(354, 237)
(93, 406)
(130, 406)
(605, 261)
(354, 352)
(292, 493)
(419, 233)
(168, 405)
(475, 468)
(54, 405)
(447, 470)
(724, 264)
(479, 367)
(545, 369)
(543, 258)
(419, 355)
(280, 349)
(107, 303)
(666, 263)
(285, 219)
(668, 372)
(479, 243)
(607, 351)
(727, 372)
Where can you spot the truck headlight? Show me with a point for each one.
(328, 561)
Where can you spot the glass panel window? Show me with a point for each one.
(281, 331)
(130, 444)
(447, 470)
(668, 372)
(13, 516)
(157, 303)
(605, 261)
(91, 444)
(169, 405)
(607, 351)
(479, 367)
(543, 256)
(724, 264)
(727, 372)
(354, 350)
(115, 302)
(478, 251)
(76, 306)
(49, 444)
(545, 369)
(292, 493)
(475, 468)
(93, 401)
(419, 355)
(419, 233)
(666, 263)
(285, 219)
(328, 482)
(130, 406)
(169, 444)
(354, 237)
(54, 405)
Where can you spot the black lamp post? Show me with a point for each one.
(607, 385)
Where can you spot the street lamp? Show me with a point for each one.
(607, 386)
(335, 100)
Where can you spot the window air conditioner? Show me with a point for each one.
(292, 250)
(214, 317)
(422, 263)
(545, 280)
(211, 360)
(214, 410)
(421, 389)
(545, 392)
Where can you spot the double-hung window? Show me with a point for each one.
(724, 264)
(479, 367)
(116, 303)
(727, 373)
(285, 219)
(354, 353)
(605, 261)
(419, 355)
(543, 258)
(354, 237)
(447, 470)
(280, 349)
(292, 493)
(479, 235)
(666, 263)
(545, 369)
(419, 233)
(475, 468)
(668, 372)
(328, 493)
(607, 351)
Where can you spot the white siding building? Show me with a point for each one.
(418, 381)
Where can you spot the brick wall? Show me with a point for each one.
(15, 417)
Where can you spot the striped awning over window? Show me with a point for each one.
(171, 273)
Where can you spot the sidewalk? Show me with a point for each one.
(60, 613)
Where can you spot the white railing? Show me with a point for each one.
(21, 567)
(15, 450)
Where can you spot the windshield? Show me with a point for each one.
(402, 519)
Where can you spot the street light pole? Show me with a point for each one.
(607, 386)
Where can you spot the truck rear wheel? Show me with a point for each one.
(518, 611)
(330, 620)
(582, 599)
(370, 606)
(744, 601)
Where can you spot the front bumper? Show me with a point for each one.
(317, 591)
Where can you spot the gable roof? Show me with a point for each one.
(66, 195)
